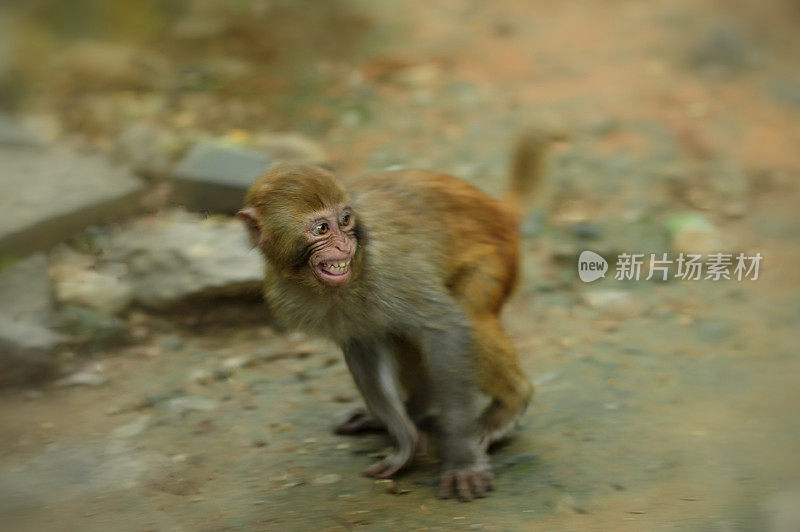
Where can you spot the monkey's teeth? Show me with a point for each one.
(338, 266)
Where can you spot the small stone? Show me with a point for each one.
(545, 378)
(235, 363)
(617, 303)
(343, 398)
(693, 233)
(221, 374)
(159, 398)
(393, 489)
(330, 478)
(193, 403)
(586, 230)
(83, 378)
(134, 428)
(201, 376)
(78, 282)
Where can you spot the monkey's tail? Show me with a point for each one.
(528, 165)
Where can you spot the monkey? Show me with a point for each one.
(407, 271)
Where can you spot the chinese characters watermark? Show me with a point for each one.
(659, 266)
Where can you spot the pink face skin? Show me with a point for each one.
(331, 237)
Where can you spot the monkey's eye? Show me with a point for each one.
(345, 220)
(321, 228)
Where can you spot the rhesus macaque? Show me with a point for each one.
(407, 271)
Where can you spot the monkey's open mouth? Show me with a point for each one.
(334, 272)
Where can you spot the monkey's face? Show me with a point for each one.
(298, 216)
(331, 243)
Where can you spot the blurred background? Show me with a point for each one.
(142, 386)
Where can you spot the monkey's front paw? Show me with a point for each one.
(466, 483)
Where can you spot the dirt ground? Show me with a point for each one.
(676, 409)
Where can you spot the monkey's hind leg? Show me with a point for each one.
(501, 378)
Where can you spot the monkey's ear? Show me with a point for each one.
(249, 216)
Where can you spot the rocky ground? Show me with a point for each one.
(144, 387)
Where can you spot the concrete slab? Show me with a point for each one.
(47, 195)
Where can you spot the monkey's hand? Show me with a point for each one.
(466, 483)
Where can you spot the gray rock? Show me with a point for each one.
(184, 256)
(48, 195)
(26, 339)
(214, 177)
